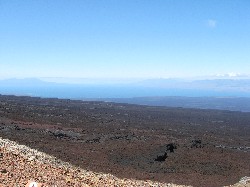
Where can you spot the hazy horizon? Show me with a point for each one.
(88, 88)
(129, 79)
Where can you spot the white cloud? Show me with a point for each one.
(232, 75)
(211, 23)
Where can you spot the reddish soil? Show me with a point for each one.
(212, 146)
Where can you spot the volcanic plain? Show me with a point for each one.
(173, 145)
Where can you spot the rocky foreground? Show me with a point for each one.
(20, 164)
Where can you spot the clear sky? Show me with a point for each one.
(124, 38)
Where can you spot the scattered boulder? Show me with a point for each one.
(3, 171)
(93, 140)
(31, 158)
(197, 143)
(59, 134)
(162, 158)
(65, 134)
(171, 147)
(17, 128)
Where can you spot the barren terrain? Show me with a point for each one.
(173, 145)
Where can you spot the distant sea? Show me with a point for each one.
(82, 92)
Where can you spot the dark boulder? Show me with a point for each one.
(197, 144)
(161, 158)
(171, 147)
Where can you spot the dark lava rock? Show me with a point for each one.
(65, 134)
(162, 158)
(17, 127)
(171, 147)
(3, 171)
(197, 144)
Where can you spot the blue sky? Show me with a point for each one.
(124, 39)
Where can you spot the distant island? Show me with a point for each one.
(223, 94)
